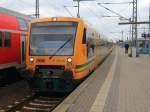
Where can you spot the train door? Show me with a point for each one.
(90, 48)
(22, 48)
(23, 28)
(90, 44)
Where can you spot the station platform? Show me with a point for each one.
(120, 84)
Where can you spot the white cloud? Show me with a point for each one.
(144, 3)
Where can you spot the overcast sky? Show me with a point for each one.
(89, 10)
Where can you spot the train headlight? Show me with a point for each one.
(54, 19)
(31, 60)
(69, 60)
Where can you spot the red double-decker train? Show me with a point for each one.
(13, 27)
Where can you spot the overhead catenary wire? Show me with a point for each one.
(68, 11)
(113, 12)
(93, 12)
(116, 3)
(90, 10)
(60, 7)
(125, 9)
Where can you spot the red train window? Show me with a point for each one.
(7, 39)
(0, 39)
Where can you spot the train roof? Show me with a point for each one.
(59, 18)
(8, 22)
(87, 24)
(14, 13)
(11, 20)
(62, 18)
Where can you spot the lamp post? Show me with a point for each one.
(37, 13)
(78, 14)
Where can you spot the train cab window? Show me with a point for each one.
(7, 39)
(0, 39)
(53, 38)
(84, 37)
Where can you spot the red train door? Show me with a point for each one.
(22, 49)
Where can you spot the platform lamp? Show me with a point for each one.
(78, 14)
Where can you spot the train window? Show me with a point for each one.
(0, 39)
(52, 38)
(7, 39)
(84, 37)
(23, 24)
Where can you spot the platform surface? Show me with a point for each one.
(121, 84)
(130, 88)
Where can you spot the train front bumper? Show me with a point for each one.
(53, 80)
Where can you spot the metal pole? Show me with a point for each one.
(37, 9)
(130, 39)
(122, 35)
(144, 30)
(130, 33)
(134, 27)
(78, 14)
(133, 43)
(136, 31)
(68, 11)
(149, 18)
(140, 22)
(149, 28)
(122, 38)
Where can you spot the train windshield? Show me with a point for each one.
(52, 38)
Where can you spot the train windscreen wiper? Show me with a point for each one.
(60, 48)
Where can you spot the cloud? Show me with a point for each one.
(142, 4)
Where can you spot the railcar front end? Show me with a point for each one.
(51, 54)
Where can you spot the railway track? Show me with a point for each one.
(36, 103)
